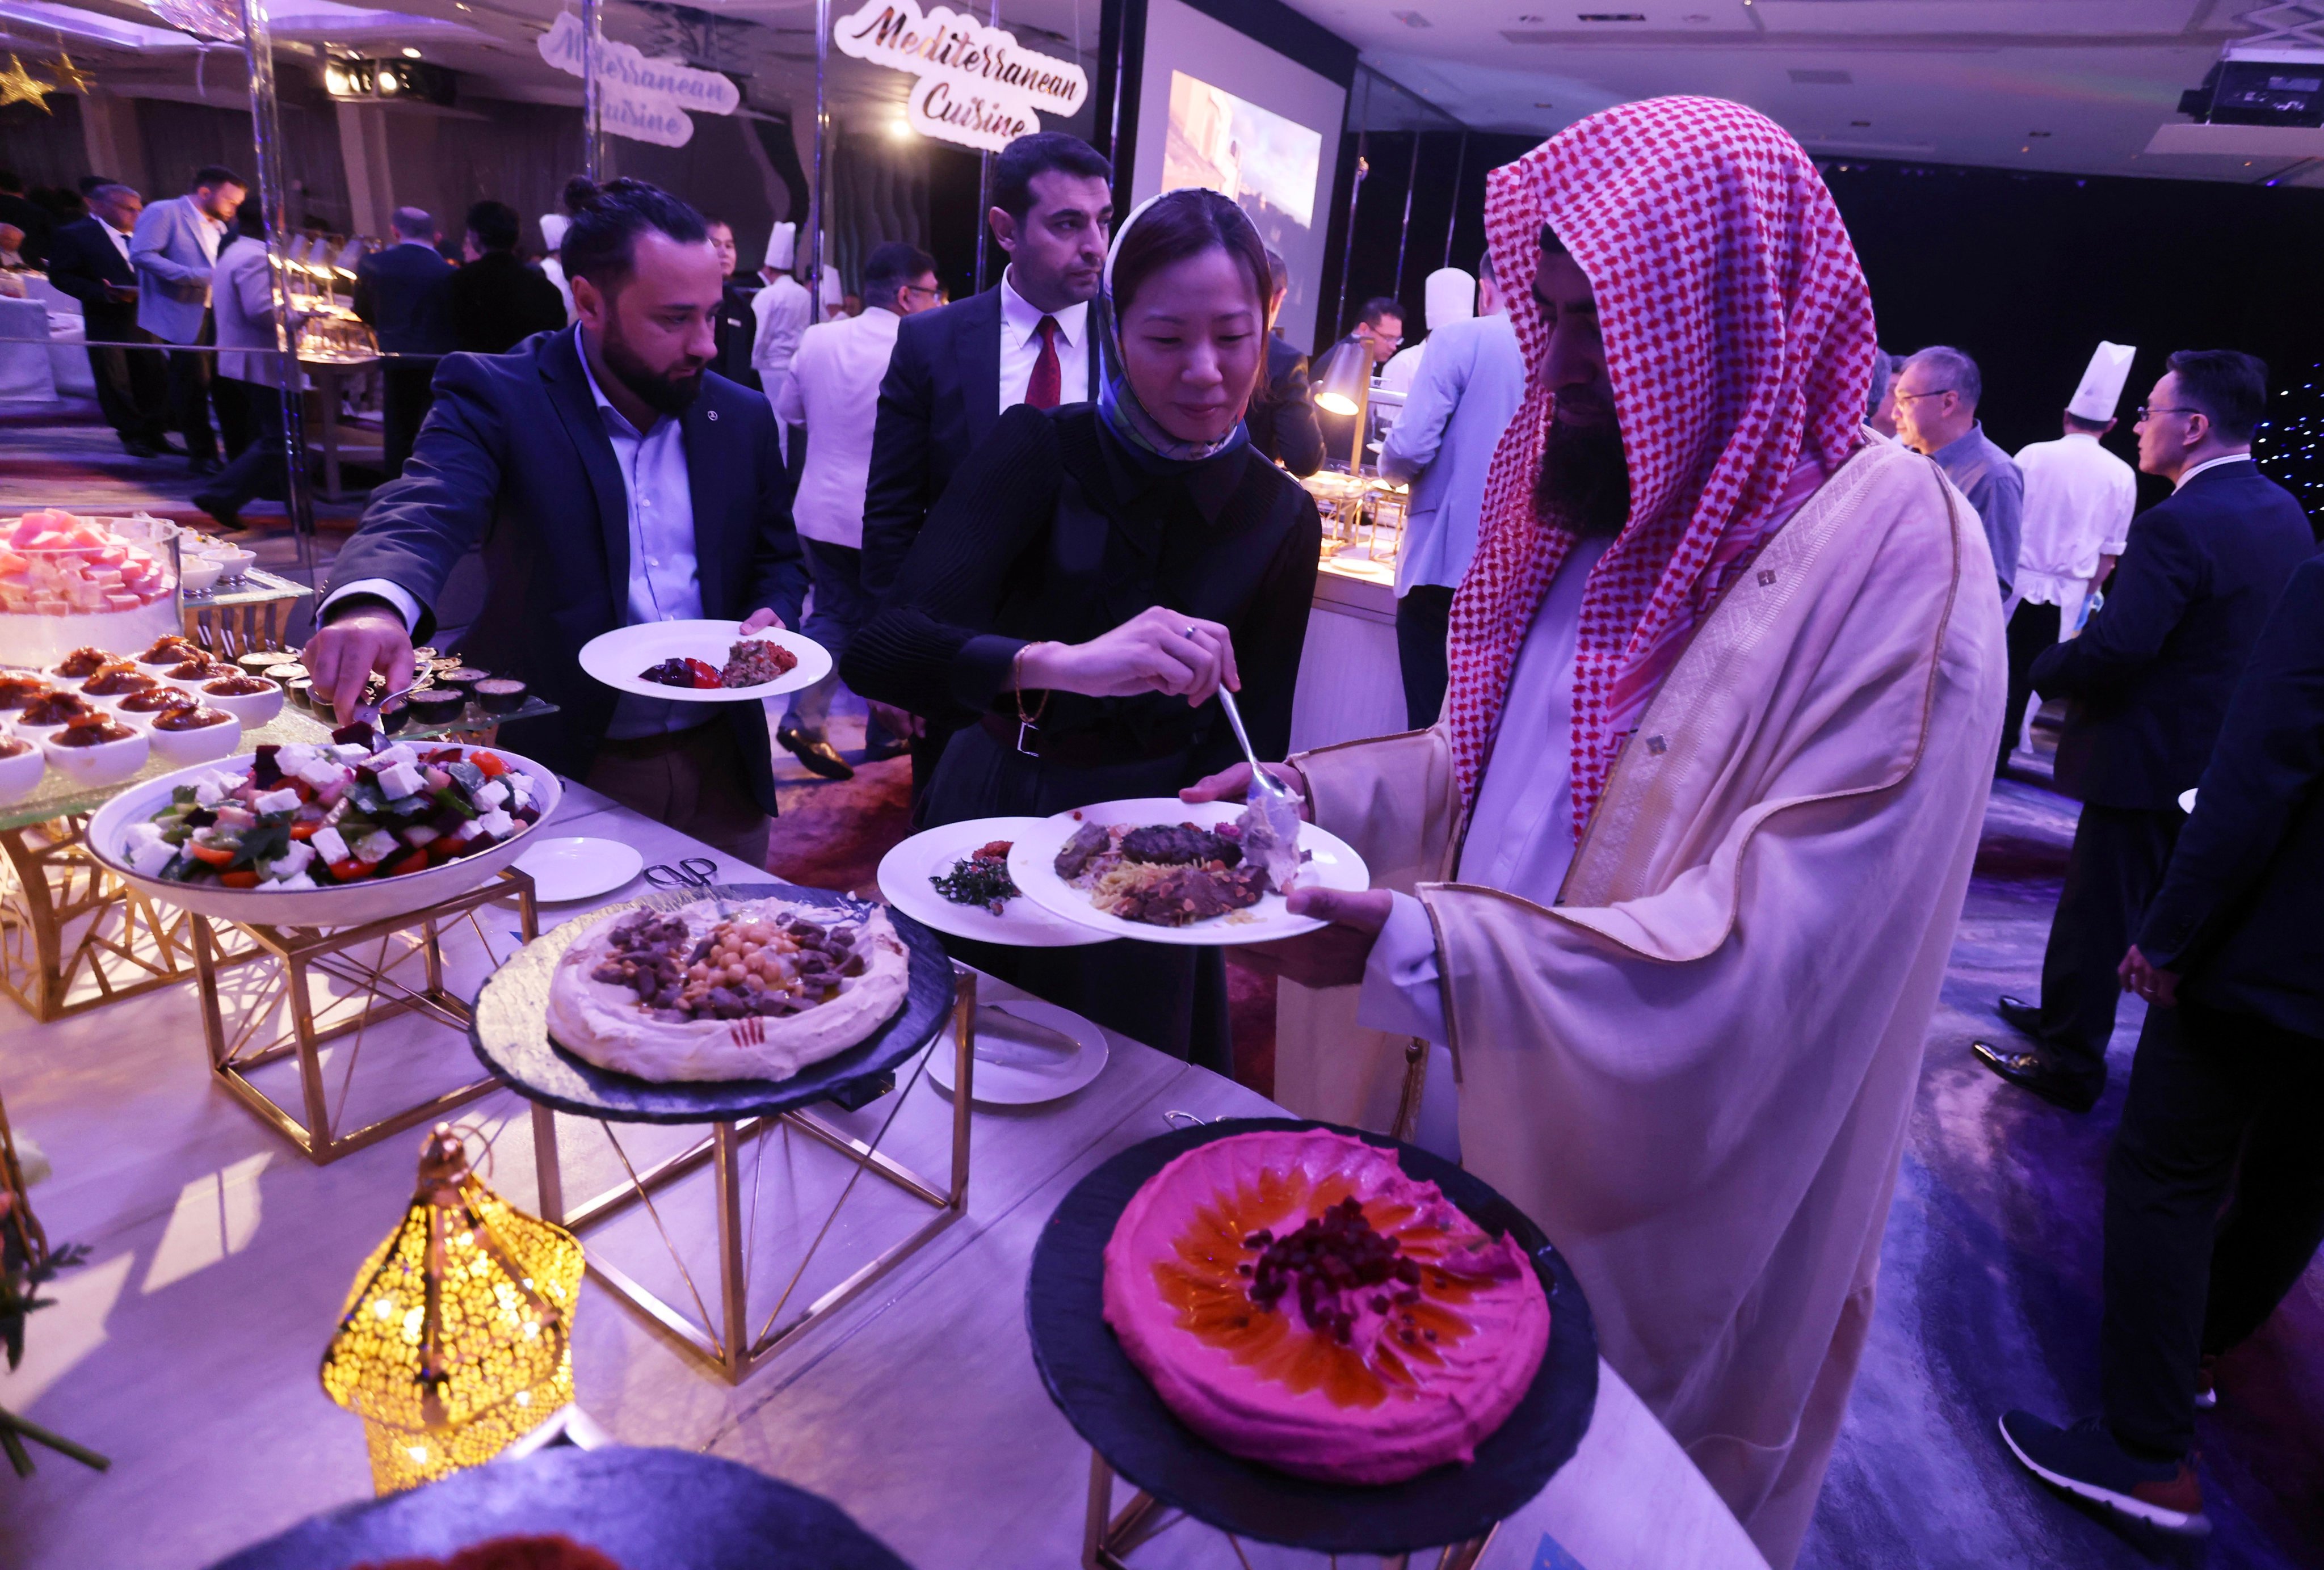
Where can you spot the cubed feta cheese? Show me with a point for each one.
(329, 844)
(376, 846)
(388, 756)
(293, 756)
(138, 834)
(351, 752)
(285, 885)
(150, 857)
(322, 772)
(493, 794)
(292, 861)
(519, 788)
(285, 799)
(399, 779)
(207, 793)
(497, 823)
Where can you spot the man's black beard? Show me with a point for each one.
(662, 393)
(1584, 483)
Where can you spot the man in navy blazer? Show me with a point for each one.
(2147, 684)
(610, 480)
(401, 292)
(88, 259)
(175, 250)
(2225, 1092)
(1037, 337)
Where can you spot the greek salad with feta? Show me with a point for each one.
(313, 816)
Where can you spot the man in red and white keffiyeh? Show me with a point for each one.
(1670, 885)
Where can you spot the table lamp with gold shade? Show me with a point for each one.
(1342, 386)
(457, 1340)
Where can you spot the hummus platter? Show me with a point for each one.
(752, 989)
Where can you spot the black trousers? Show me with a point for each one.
(2183, 1281)
(2031, 629)
(2112, 872)
(259, 469)
(406, 390)
(1423, 617)
(189, 395)
(132, 389)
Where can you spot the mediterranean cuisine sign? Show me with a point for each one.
(976, 87)
(645, 100)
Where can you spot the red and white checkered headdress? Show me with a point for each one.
(1738, 339)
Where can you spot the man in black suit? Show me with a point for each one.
(737, 324)
(1037, 337)
(88, 259)
(2147, 682)
(1281, 420)
(609, 481)
(493, 301)
(2226, 1090)
(399, 291)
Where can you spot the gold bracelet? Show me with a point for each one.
(1017, 678)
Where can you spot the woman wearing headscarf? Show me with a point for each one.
(1671, 885)
(1092, 577)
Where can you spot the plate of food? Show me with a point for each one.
(704, 662)
(334, 834)
(1165, 871)
(699, 1005)
(955, 879)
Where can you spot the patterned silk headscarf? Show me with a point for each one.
(1738, 342)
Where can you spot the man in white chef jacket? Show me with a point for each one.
(2079, 499)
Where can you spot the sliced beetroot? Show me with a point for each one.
(264, 770)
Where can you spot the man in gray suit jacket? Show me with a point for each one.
(175, 249)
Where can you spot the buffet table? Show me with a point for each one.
(915, 1406)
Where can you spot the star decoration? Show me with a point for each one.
(19, 86)
(70, 77)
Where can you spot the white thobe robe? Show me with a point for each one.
(1693, 1065)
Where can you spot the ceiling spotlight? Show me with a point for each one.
(409, 53)
(335, 80)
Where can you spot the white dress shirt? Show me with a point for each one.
(664, 583)
(2180, 483)
(1020, 347)
(2079, 499)
(834, 389)
(120, 241)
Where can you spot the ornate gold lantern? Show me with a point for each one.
(456, 1340)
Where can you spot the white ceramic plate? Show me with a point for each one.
(346, 905)
(616, 657)
(573, 868)
(1333, 864)
(905, 871)
(1020, 1068)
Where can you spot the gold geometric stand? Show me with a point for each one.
(1108, 1535)
(729, 1348)
(303, 955)
(73, 936)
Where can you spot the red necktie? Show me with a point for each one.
(1042, 392)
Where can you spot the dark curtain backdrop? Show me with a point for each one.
(1449, 192)
(519, 153)
(44, 149)
(181, 138)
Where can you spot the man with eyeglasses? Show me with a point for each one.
(1936, 413)
(833, 391)
(2146, 685)
(1380, 327)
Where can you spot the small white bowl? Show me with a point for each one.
(231, 563)
(20, 776)
(198, 574)
(109, 701)
(253, 709)
(56, 674)
(155, 667)
(185, 748)
(106, 762)
(143, 719)
(194, 683)
(37, 734)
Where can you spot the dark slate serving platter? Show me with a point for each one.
(1110, 1404)
(510, 1029)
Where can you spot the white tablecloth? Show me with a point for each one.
(24, 356)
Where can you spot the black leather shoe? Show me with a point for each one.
(228, 520)
(2019, 1015)
(819, 756)
(2032, 1072)
(884, 748)
(203, 468)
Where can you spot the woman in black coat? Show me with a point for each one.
(1090, 579)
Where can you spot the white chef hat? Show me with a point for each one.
(552, 229)
(782, 247)
(1450, 296)
(2101, 390)
(833, 291)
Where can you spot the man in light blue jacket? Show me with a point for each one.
(174, 249)
(1470, 384)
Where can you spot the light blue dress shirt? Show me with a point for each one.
(1471, 382)
(665, 583)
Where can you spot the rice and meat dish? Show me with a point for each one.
(1164, 875)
